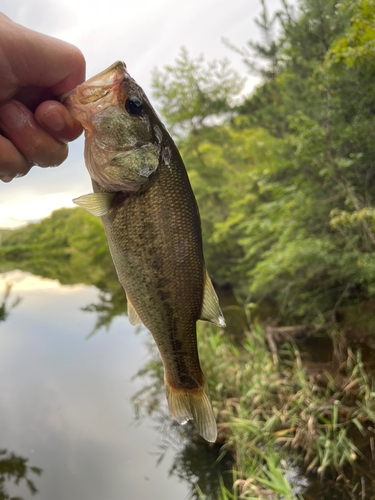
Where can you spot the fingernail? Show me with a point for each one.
(11, 116)
(54, 121)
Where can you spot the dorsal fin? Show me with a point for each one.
(96, 203)
(132, 314)
(210, 308)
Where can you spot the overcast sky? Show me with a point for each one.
(143, 33)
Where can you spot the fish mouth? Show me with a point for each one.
(96, 87)
(101, 87)
(110, 76)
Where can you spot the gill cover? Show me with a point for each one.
(121, 149)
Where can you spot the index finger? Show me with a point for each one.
(34, 59)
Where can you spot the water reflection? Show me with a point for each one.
(110, 304)
(7, 304)
(76, 269)
(194, 462)
(14, 469)
(65, 402)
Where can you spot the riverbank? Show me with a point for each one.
(292, 425)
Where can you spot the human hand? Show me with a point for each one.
(34, 70)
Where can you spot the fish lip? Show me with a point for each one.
(112, 77)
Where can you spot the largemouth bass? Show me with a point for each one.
(151, 219)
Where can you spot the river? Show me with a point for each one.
(65, 400)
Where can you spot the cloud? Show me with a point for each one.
(44, 189)
(145, 34)
(46, 16)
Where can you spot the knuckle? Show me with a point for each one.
(12, 162)
(47, 152)
(61, 156)
(58, 156)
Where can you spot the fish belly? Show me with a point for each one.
(156, 245)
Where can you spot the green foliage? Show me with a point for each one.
(286, 187)
(70, 246)
(192, 91)
(275, 418)
(14, 468)
(70, 237)
(358, 44)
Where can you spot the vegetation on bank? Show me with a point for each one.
(285, 179)
(285, 182)
(280, 420)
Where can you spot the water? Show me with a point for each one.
(65, 404)
(65, 400)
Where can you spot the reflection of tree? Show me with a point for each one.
(148, 400)
(13, 468)
(68, 271)
(99, 273)
(5, 307)
(69, 246)
(197, 464)
(112, 303)
(195, 461)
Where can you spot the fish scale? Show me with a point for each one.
(166, 207)
(143, 195)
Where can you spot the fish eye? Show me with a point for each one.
(133, 105)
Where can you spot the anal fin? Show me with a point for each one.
(210, 308)
(132, 314)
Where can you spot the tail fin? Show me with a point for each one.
(194, 404)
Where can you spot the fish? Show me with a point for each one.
(142, 193)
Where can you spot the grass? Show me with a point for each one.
(273, 417)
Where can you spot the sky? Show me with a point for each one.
(145, 34)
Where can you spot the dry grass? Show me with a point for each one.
(275, 416)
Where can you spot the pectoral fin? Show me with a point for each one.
(96, 203)
(132, 314)
(210, 309)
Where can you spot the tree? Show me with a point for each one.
(193, 93)
(284, 187)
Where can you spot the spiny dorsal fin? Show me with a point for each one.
(96, 203)
(132, 314)
(210, 308)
